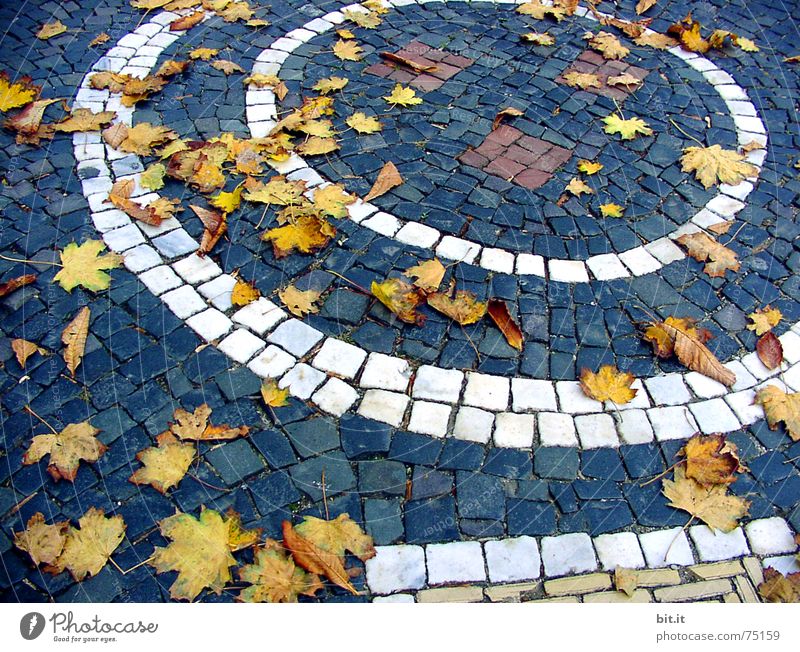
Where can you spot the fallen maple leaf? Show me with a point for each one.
(44, 543)
(428, 275)
(711, 459)
(400, 298)
(578, 187)
(655, 40)
(244, 293)
(28, 123)
(626, 80)
(316, 146)
(626, 580)
(153, 213)
(195, 426)
(501, 316)
(299, 302)
(582, 80)
(204, 54)
(199, 551)
(273, 395)
(23, 349)
(332, 200)
(607, 44)
(538, 39)
(186, 22)
(226, 67)
(170, 68)
(540, 11)
(99, 39)
(140, 139)
(505, 114)
(20, 93)
(363, 123)
(712, 505)
(228, 202)
(49, 30)
(315, 559)
(215, 224)
(764, 319)
(88, 548)
(275, 577)
(627, 129)
(780, 406)
(702, 247)
(153, 177)
(713, 165)
(369, 20)
(74, 339)
(330, 84)
(403, 96)
(85, 120)
(644, 5)
(462, 308)
(769, 350)
(778, 587)
(663, 342)
(337, 536)
(348, 50)
(388, 178)
(277, 191)
(611, 210)
(306, 234)
(589, 167)
(14, 284)
(688, 33)
(608, 384)
(164, 464)
(76, 442)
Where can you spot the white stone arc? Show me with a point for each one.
(637, 261)
(337, 376)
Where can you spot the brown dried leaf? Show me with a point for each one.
(764, 319)
(15, 284)
(428, 275)
(607, 44)
(408, 63)
(24, 349)
(74, 338)
(196, 426)
(702, 247)
(769, 350)
(85, 120)
(227, 67)
(780, 406)
(88, 548)
(501, 316)
(777, 587)
(462, 308)
(275, 578)
(315, 559)
(164, 464)
(644, 5)
(186, 22)
(505, 114)
(299, 302)
(711, 459)
(76, 442)
(400, 298)
(388, 178)
(42, 542)
(712, 505)
(626, 580)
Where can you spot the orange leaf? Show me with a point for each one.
(316, 560)
(74, 338)
(711, 460)
(388, 178)
(769, 350)
(16, 283)
(498, 311)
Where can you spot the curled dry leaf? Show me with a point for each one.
(764, 319)
(337, 536)
(44, 543)
(400, 298)
(164, 465)
(316, 146)
(330, 84)
(664, 344)
(204, 54)
(501, 316)
(316, 560)
(274, 577)
(388, 178)
(23, 349)
(655, 40)
(215, 225)
(196, 426)
(462, 307)
(85, 120)
(780, 588)
(626, 580)
(88, 547)
(644, 5)
(608, 384)
(273, 395)
(711, 459)
(408, 63)
(711, 504)
(504, 115)
(769, 350)
(76, 442)
(428, 275)
(14, 284)
(49, 30)
(299, 302)
(74, 339)
(186, 22)
(99, 39)
(702, 247)
(28, 123)
(781, 407)
(153, 213)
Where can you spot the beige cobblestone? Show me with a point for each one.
(568, 599)
(694, 591)
(717, 570)
(579, 584)
(746, 591)
(659, 577)
(452, 594)
(506, 592)
(618, 597)
(730, 598)
(754, 571)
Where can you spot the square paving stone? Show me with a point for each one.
(415, 449)
(427, 483)
(313, 436)
(429, 521)
(480, 496)
(557, 462)
(275, 448)
(606, 516)
(384, 520)
(461, 455)
(339, 476)
(603, 463)
(273, 491)
(530, 517)
(362, 437)
(382, 476)
(642, 460)
(234, 461)
(508, 463)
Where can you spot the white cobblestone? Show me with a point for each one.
(196, 269)
(666, 547)
(743, 406)
(175, 243)
(486, 391)
(513, 560)
(634, 427)
(210, 324)
(770, 536)
(639, 261)
(605, 267)
(530, 264)
(529, 394)
(671, 423)
(438, 384)
(459, 561)
(418, 235)
(302, 380)
(141, 258)
(514, 430)
(219, 291)
(715, 545)
(387, 407)
(556, 429)
(272, 363)
(124, 238)
(259, 316)
(295, 336)
(160, 279)
(385, 372)
(714, 415)
(568, 271)
(473, 424)
(573, 400)
(620, 550)
(184, 301)
(458, 249)
(241, 345)
(335, 397)
(339, 358)
(785, 564)
(382, 223)
(396, 568)
(498, 260)
(568, 554)
(668, 390)
(596, 430)
(703, 386)
(429, 418)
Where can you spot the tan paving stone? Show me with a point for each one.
(746, 591)
(618, 597)
(754, 571)
(512, 592)
(717, 570)
(730, 598)
(452, 594)
(568, 599)
(578, 584)
(694, 591)
(659, 577)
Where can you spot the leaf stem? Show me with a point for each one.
(28, 409)
(29, 262)
(677, 126)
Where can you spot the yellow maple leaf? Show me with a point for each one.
(462, 308)
(244, 293)
(88, 548)
(76, 442)
(589, 167)
(428, 275)
(83, 266)
(608, 384)
(711, 459)
(582, 80)
(42, 542)
(611, 210)
(780, 406)
(702, 247)
(49, 30)
(164, 464)
(746, 44)
(607, 44)
(713, 165)
(196, 426)
(299, 302)
(153, 177)
(306, 234)
(20, 93)
(274, 577)
(277, 191)
(228, 202)
(538, 39)
(627, 129)
(345, 34)
(711, 504)
(337, 536)
(363, 123)
(402, 96)
(578, 187)
(316, 146)
(764, 319)
(400, 298)
(348, 50)
(625, 79)
(332, 200)
(273, 395)
(203, 53)
(330, 84)
(538, 10)
(369, 20)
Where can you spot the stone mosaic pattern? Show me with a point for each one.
(420, 440)
(443, 64)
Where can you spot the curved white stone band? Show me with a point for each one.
(644, 259)
(338, 376)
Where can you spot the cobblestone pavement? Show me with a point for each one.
(482, 472)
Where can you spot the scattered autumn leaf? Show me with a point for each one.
(316, 146)
(330, 84)
(403, 96)
(367, 19)
(626, 580)
(228, 202)
(76, 442)
(751, 146)
(28, 123)
(14, 284)
(17, 94)
(462, 307)
(273, 395)
(99, 39)
(582, 80)
(589, 167)
(502, 318)
(578, 187)
(780, 406)
(332, 200)
(244, 293)
(23, 349)
(140, 139)
(711, 459)
(746, 44)
(608, 384)
(226, 67)
(274, 577)
(712, 504)
(74, 339)
(153, 213)
(363, 123)
(428, 275)
(764, 319)
(153, 177)
(627, 129)
(611, 210)
(655, 40)
(408, 63)
(186, 22)
(539, 11)
(702, 247)
(337, 536)
(196, 426)
(88, 547)
(205, 54)
(663, 342)
(400, 298)
(538, 39)
(49, 30)
(777, 587)
(769, 350)
(504, 114)
(721, 228)
(625, 79)
(299, 302)
(644, 5)
(607, 44)
(306, 234)
(388, 178)
(713, 165)
(85, 120)
(164, 464)
(278, 190)
(688, 33)
(44, 543)
(348, 50)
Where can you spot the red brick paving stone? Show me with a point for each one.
(458, 61)
(592, 57)
(414, 48)
(436, 55)
(504, 134)
(521, 156)
(402, 76)
(490, 149)
(444, 71)
(426, 83)
(503, 167)
(472, 158)
(379, 69)
(532, 179)
(534, 145)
